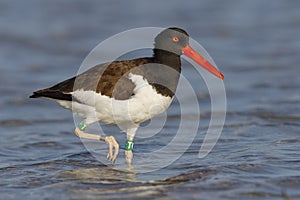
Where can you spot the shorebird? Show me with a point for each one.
(129, 92)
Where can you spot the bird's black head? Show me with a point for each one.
(171, 43)
(172, 40)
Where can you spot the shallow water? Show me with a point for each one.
(255, 44)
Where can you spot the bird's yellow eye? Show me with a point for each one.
(175, 39)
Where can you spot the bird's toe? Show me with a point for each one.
(113, 148)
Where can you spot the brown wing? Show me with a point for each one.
(110, 79)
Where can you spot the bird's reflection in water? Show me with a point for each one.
(100, 182)
(100, 175)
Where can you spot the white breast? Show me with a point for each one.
(143, 105)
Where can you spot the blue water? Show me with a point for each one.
(255, 44)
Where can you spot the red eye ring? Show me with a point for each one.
(175, 39)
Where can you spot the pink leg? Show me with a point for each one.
(110, 140)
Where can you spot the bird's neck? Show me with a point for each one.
(167, 58)
(164, 77)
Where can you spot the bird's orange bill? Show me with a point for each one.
(200, 60)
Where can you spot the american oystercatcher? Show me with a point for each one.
(127, 92)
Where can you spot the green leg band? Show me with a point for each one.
(82, 126)
(129, 145)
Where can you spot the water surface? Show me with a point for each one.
(256, 45)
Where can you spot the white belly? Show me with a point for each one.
(142, 106)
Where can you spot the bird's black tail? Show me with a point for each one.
(35, 95)
(52, 94)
